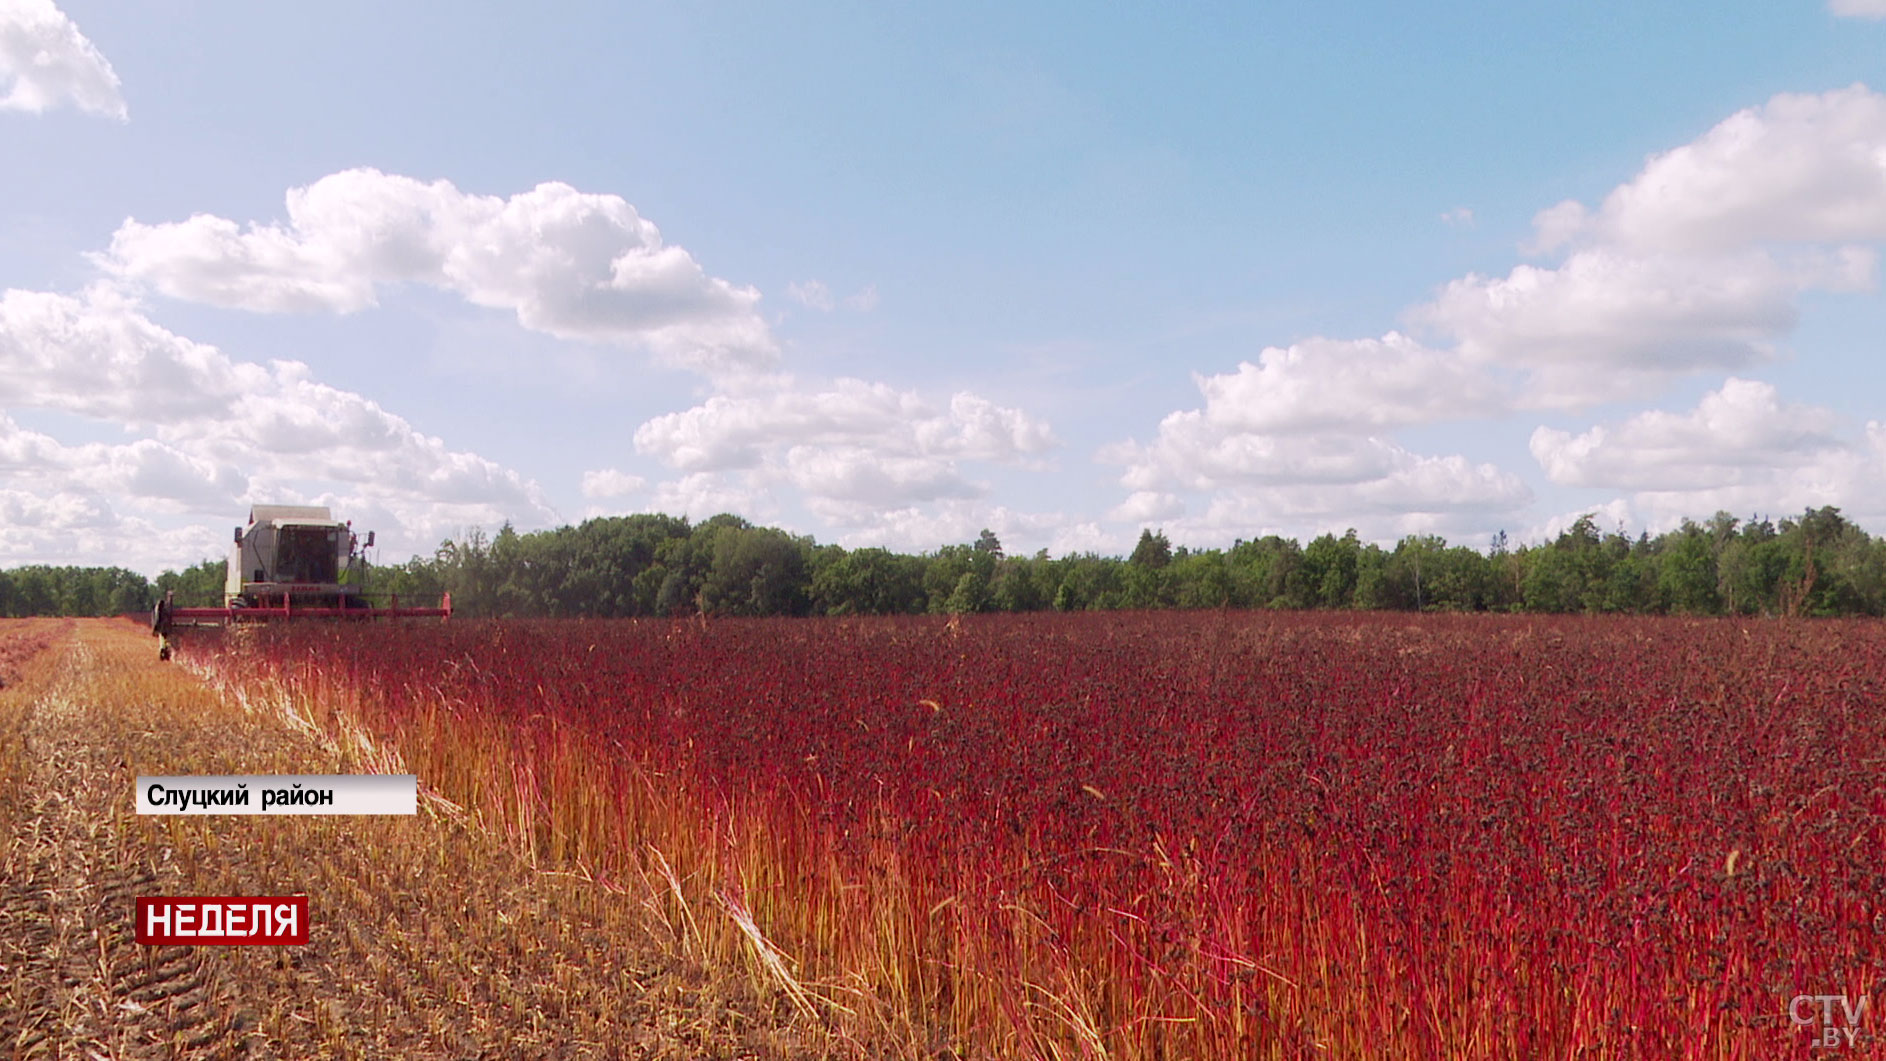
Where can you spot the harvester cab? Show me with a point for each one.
(293, 554)
(290, 562)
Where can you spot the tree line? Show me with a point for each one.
(39, 589)
(1816, 564)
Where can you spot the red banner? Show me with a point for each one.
(203, 920)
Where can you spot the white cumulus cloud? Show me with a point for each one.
(853, 442)
(96, 355)
(1615, 515)
(923, 528)
(1737, 431)
(219, 434)
(728, 431)
(1799, 168)
(1294, 442)
(45, 61)
(567, 263)
(875, 463)
(870, 478)
(701, 495)
(153, 472)
(1696, 264)
(1302, 481)
(66, 527)
(1742, 449)
(1606, 323)
(1357, 383)
(1148, 506)
(608, 483)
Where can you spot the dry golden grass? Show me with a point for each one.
(430, 937)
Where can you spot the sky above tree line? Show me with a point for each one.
(888, 274)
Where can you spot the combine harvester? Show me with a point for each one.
(288, 564)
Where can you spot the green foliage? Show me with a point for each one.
(1687, 576)
(1819, 563)
(971, 594)
(1330, 569)
(1153, 550)
(1088, 583)
(867, 582)
(987, 542)
(195, 587)
(1021, 585)
(756, 571)
(1201, 580)
(43, 590)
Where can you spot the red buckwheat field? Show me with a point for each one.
(1184, 835)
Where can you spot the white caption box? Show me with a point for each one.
(280, 794)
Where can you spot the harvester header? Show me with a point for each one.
(290, 562)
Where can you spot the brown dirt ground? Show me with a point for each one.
(428, 938)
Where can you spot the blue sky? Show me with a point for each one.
(888, 274)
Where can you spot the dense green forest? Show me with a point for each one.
(1817, 564)
(43, 590)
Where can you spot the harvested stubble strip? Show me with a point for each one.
(430, 939)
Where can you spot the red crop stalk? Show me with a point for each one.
(1188, 835)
